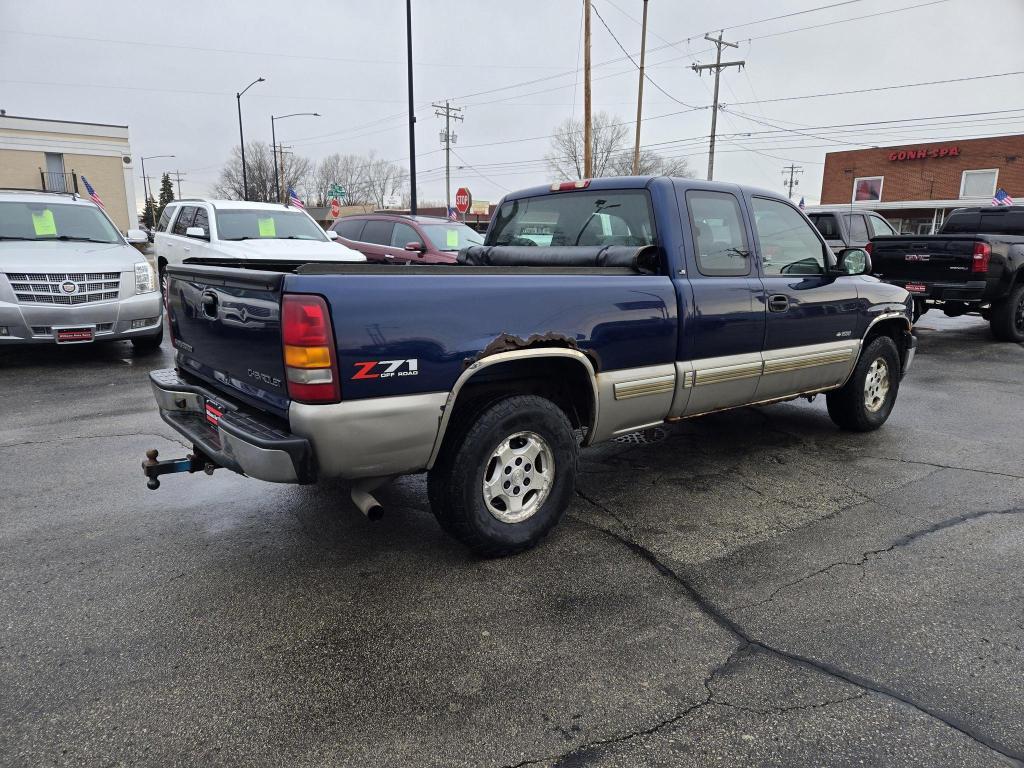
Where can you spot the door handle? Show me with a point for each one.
(778, 303)
(188, 248)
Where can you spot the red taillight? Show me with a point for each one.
(982, 254)
(311, 369)
(565, 186)
(868, 248)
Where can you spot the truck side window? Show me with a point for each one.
(880, 227)
(165, 219)
(202, 219)
(789, 244)
(719, 237)
(858, 229)
(184, 220)
(827, 225)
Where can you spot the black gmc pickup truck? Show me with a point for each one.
(974, 264)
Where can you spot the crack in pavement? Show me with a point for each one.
(63, 438)
(903, 541)
(580, 750)
(943, 466)
(716, 614)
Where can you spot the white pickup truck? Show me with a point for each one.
(237, 233)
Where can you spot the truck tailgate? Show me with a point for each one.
(226, 325)
(928, 259)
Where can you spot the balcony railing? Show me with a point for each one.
(56, 181)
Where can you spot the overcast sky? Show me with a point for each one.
(170, 71)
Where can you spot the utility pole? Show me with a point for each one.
(177, 175)
(282, 195)
(412, 110)
(640, 94)
(449, 113)
(718, 66)
(793, 171)
(588, 157)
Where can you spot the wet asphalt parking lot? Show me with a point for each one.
(754, 588)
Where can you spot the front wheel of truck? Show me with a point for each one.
(506, 475)
(864, 402)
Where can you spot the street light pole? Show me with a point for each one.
(412, 111)
(145, 187)
(273, 142)
(241, 138)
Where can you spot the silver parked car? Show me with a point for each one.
(67, 276)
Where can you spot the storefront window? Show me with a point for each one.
(867, 188)
(979, 183)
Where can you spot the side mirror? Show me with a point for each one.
(415, 246)
(137, 236)
(332, 235)
(195, 232)
(854, 261)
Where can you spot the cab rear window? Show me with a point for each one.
(583, 218)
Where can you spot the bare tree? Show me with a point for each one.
(259, 168)
(383, 178)
(610, 148)
(348, 171)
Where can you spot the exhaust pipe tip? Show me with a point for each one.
(366, 503)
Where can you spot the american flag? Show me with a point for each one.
(294, 199)
(96, 198)
(453, 215)
(1001, 198)
(802, 204)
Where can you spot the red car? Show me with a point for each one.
(397, 239)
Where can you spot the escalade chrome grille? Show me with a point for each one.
(55, 287)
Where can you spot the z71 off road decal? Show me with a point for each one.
(385, 369)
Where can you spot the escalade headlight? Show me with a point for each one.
(145, 277)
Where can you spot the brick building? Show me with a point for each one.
(915, 186)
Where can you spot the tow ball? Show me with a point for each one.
(194, 462)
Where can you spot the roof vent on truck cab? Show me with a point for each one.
(311, 368)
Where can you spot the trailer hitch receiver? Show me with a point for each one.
(194, 462)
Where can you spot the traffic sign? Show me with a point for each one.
(463, 199)
(335, 208)
(338, 191)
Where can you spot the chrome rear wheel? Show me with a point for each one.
(518, 477)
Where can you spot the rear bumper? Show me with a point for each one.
(971, 291)
(240, 441)
(110, 320)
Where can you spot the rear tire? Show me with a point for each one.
(506, 475)
(1007, 316)
(864, 403)
(145, 345)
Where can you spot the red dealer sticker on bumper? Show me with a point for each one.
(213, 413)
(916, 287)
(73, 335)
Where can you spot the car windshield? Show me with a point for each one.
(254, 224)
(451, 237)
(598, 217)
(49, 220)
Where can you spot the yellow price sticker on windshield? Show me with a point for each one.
(453, 238)
(43, 223)
(267, 228)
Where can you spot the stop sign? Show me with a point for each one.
(335, 208)
(463, 199)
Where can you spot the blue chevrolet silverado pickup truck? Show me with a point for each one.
(593, 309)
